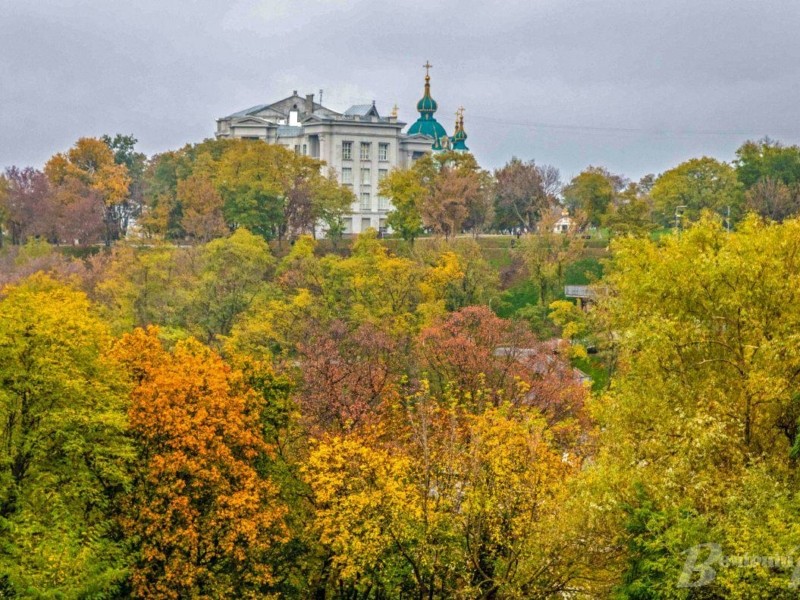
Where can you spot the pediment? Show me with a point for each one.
(252, 121)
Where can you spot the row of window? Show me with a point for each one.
(365, 151)
(366, 202)
(366, 175)
(366, 223)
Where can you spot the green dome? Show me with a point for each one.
(460, 136)
(427, 123)
(427, 104)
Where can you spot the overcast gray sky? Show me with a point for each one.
(636, 86)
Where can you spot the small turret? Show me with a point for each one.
(460, 136)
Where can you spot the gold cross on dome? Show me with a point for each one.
(427, 66)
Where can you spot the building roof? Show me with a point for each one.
(247, 112)
(283, 107)
(362, 110)
(289, 130)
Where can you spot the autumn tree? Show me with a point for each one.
(478, 282)
(458, 505)
(201, 206)
(203, 519)
(26, 205)
(708, 367)
(136, 287)
(88, 171)
(523, 193)
(347, 376)
(456, 192)
(65, 457)
(485, 361)
(274, 192)
(442, 192)
(264, 188)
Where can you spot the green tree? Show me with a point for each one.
(65, 456)
(631, 214)
(696, 185)
(406, 192)
(233, 271)
(592, 192)
(546, 256)
(770, 174)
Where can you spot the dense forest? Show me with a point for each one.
(200, 399)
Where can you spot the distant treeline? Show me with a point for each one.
(100, 188)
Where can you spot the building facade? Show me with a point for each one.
(359, 144)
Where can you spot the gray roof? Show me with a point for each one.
(289, 130)
(248, 111)
(361, 110)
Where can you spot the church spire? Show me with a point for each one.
(459, 135)
(427, 123)
(427, 105)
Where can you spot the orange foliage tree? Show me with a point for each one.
(204, 519)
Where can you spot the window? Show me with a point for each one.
(305, 150)
(382, 173)
(366, 148)
(347, 150)
(347, 222)
(297, 148)
(366, 176)
(383, 203)
(347, 176)
(366, 223)
(365, 201)
(383, 151)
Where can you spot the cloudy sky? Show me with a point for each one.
(636, 86)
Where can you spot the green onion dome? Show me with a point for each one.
(460, 136)
(427, 123)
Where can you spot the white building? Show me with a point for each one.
(360, 144)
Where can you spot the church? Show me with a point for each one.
(360, 144)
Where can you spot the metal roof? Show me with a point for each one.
(249, 111)
(289, 130)
(359, 110)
